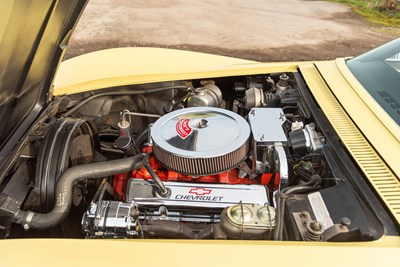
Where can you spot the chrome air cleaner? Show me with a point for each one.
(200, 140)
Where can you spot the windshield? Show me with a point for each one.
(379, 72)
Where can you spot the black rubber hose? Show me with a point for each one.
(133, 92)
(141, 138)
(180, 100)
(162, 190)
(63, 191)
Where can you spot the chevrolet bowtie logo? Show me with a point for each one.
(199, 191)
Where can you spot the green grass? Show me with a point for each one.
(370, 10)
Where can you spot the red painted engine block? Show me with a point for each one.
(229, 177)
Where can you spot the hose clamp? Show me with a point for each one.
(27, 220)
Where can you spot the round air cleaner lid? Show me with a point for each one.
(201, 138)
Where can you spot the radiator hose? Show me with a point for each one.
(63, 192)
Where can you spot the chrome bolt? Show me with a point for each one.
(304, 214)
(316, 226)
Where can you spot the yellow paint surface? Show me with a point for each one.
(138, 65)
(67, 252)
(370, 118)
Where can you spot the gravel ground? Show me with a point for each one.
(263, 30)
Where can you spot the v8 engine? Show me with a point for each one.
(199, 154)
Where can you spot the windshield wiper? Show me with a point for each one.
(390, 101)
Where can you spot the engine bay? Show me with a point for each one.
(244, 157)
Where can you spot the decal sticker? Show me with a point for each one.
(199, 194)
(199, 191)
(199, 198)
(212, 195)
(320, 211)
(182, 128)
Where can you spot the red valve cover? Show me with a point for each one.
(228, 177)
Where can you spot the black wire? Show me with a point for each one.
(141, 229)
(304, 157)
(281, 199)
(303, 174)
(286, 107)
(135, 147)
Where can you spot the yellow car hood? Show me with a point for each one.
(65, 252)
(136, 65)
